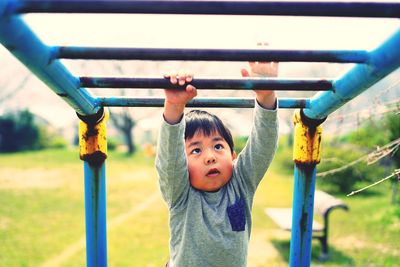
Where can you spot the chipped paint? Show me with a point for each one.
(93, 141)
(307, 141)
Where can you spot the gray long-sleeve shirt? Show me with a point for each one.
(213, 228)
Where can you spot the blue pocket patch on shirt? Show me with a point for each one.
(237, 215)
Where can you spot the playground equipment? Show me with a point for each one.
(43, 61)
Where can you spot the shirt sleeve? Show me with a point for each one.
(171, 163)
(257, 155)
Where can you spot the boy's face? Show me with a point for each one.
(210, 161)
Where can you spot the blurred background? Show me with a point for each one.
(41, 188)
(22, 90)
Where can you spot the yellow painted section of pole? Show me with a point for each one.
(93, 140)
(307, 141)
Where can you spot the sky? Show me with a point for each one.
(210, 31)
(194, 31)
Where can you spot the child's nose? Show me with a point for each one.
(210, 158)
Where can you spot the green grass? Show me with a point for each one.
(42, 216)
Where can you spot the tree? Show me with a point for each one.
(393, 124)
(18, 132)
(349, 153)
(8, 94)
(125, 123)
(344, 168)
(21, 131)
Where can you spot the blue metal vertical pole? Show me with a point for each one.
(302, 217)
(95, 210)
(93, 151)
(306, 155)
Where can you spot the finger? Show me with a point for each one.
(275, 66)
(189, 77)
(172, 77)
(252, 64)
(182, 78)
(271, 65)
(245, 73)
(191, 90)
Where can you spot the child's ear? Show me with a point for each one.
(234, 155)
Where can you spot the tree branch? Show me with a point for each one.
(396, 172)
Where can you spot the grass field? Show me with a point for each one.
(42, 216)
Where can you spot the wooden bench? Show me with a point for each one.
(323, 205)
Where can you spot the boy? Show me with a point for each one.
(208, 190)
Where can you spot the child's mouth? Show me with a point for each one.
(212, 173)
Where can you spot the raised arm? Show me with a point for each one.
(171, 161)
(266, 98)
(176, 100)
(258, 153)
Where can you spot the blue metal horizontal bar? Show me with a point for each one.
(384, 60)
(338, 56)
(276, 8)
(201, 83)
(18, 38)
(225, 102)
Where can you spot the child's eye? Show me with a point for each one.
(219, 147)
(195, 151)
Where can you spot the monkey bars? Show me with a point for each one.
(44, 62)
(273, 8)
(342, 56)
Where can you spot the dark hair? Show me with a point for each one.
(206, 123)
